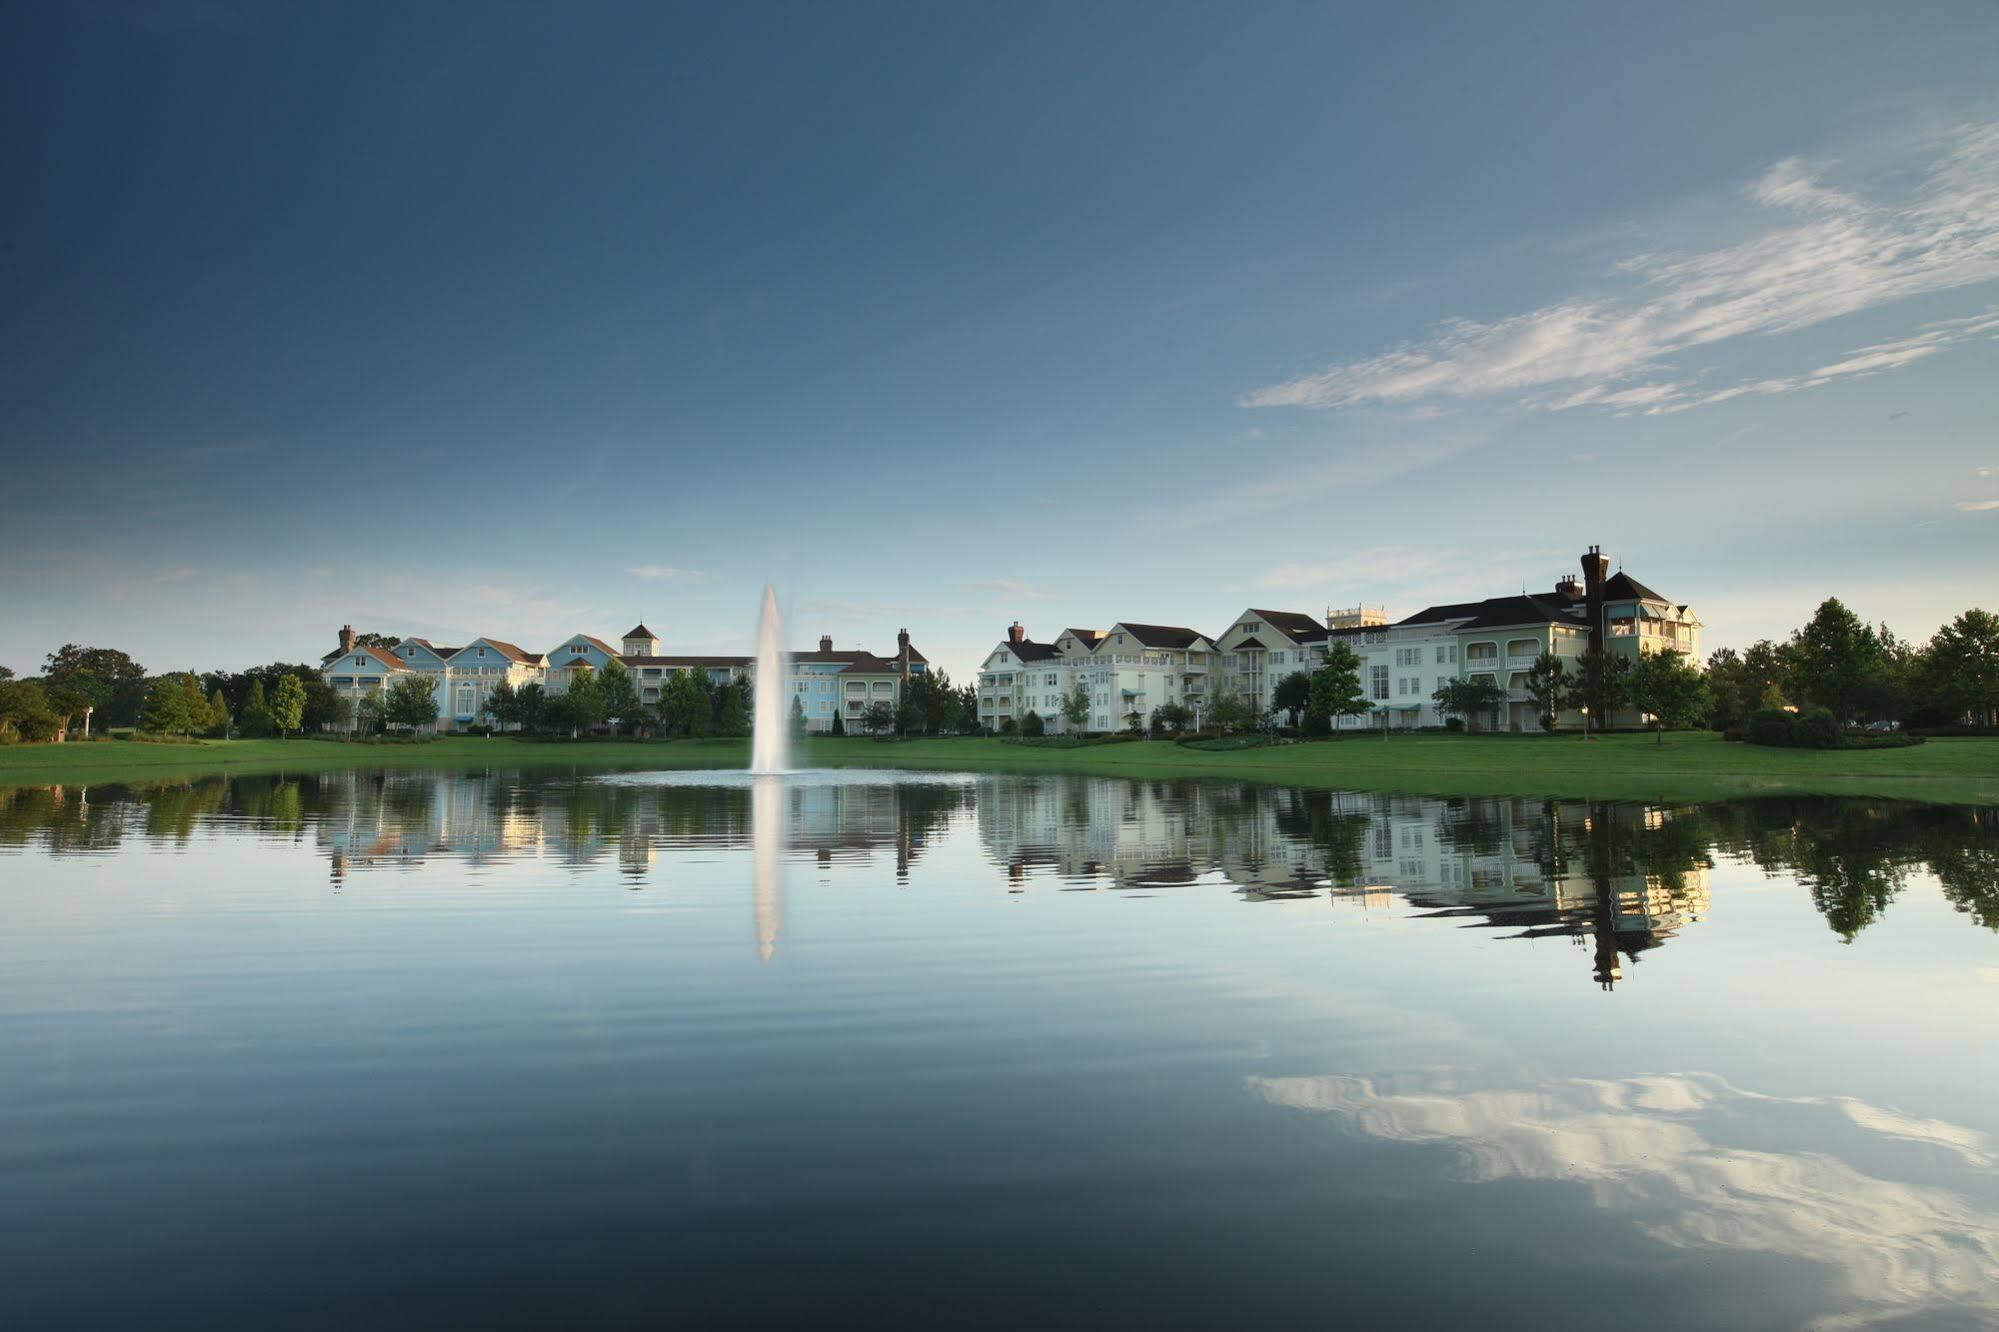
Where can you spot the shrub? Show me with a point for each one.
(1454, 723)
(1817, 729)
(1032, 725)
(1771, 726)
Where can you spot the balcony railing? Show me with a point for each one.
(1520, 663)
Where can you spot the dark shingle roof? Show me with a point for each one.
(1249, 644)
(639, 630)
(1029, 651)
(1457, 610)
(1623, 587)
(1293, 625)
(1090, 637)
(1501, 612)
(507, 649)
(1162, 635)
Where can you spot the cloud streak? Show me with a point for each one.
(665, 573)
(1836, 254)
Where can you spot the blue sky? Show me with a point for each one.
(553, 318)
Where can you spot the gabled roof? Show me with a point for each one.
(600, 645)
(867, 663)
(381, 655)
(444, 652)
(1504, 612)
(1028, 650)
(1623, 587)
(1162, 635)
(1297, 627)
(1088, 637)
(639, 630)
(505, 649)
(1249, 644)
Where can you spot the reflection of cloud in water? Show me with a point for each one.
(1636, 1144)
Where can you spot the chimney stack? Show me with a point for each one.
(825, 642)
(902, 651)
(346, 638)
(1570, 586)
(1016, 634)
(1595, 569)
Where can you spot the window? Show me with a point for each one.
(1378, 681)
(1408, 656)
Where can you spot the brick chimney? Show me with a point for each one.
(346, 638)
(902, 652)
(1596, 568)
(1569, 586)
(1016, 634)
(825, 642)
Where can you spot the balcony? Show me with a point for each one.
(1520, 663)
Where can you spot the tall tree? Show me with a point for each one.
(797, 720)
(1335, 690)
(174, 706)
(218, 714)
(684, 707)
(581, 706)
(503, 705)
(1547, 686)
(255, 717)
(287, 706)
(1834, 658)
(1599, 687)
(619, 696)
(411, 702)
(734, 708)
(879, 717)
(531, 706)
(114, 682)
(1076, 707)
(25, 713)
(1666, 685)
(1292, 696)
(1469, 697)
(1963, 664)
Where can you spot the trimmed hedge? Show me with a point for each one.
(1817, 729)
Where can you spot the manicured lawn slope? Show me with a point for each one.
(1695, 766)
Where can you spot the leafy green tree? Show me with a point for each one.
(617, 695)
(338, 714)
(733, 708)
(1599, 687)
(684, 707)
(1963, 665)
(964, 716)
(411, 702)
(581, 706)
(174, 706)
(371, 713)
(1075, 707)
(1292, 696)
(797, 722)
(255, 717)
(1032, 725)
(1172, 717)
(1834, 658)
(1230, 712)
(503, 705)
(839, 727)
(1335, 690)
(287, 706)
(218, 714)
(382, 641)
(531, 706)
(116, 684)
(1468, 698)
(25, 713)
(1547, 686)
(879, 718)
(931, 701)
(1669, 687)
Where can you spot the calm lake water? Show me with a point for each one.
(446, 1049)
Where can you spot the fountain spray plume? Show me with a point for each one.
(767, 748)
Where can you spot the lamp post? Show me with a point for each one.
(1585, 711)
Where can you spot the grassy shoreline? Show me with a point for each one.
(1694, 766)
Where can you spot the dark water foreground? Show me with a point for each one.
(439, 1050)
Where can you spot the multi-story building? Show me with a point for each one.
(1405, 663)
(826, 681)
(1128, 671)
(1264, 646)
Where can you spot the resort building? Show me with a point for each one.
(1264, 646)
(1128, 671)
(827, 682)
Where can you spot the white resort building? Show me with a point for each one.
(827, 681)
(1128, 670)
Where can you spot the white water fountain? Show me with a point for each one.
(772, 722)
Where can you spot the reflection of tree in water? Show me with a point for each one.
(1336, 832)
(1855, 856)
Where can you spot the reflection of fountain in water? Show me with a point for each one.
(767, 854)
(768, 728)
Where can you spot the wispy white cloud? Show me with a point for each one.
(1013, 588)
(1839, 254)
(1977, 506)
(1370, 567)
(666, 573)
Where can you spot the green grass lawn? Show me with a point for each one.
(1695, 766)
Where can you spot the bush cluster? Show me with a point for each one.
(1816, 729)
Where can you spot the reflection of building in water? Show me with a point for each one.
(1615, 877)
